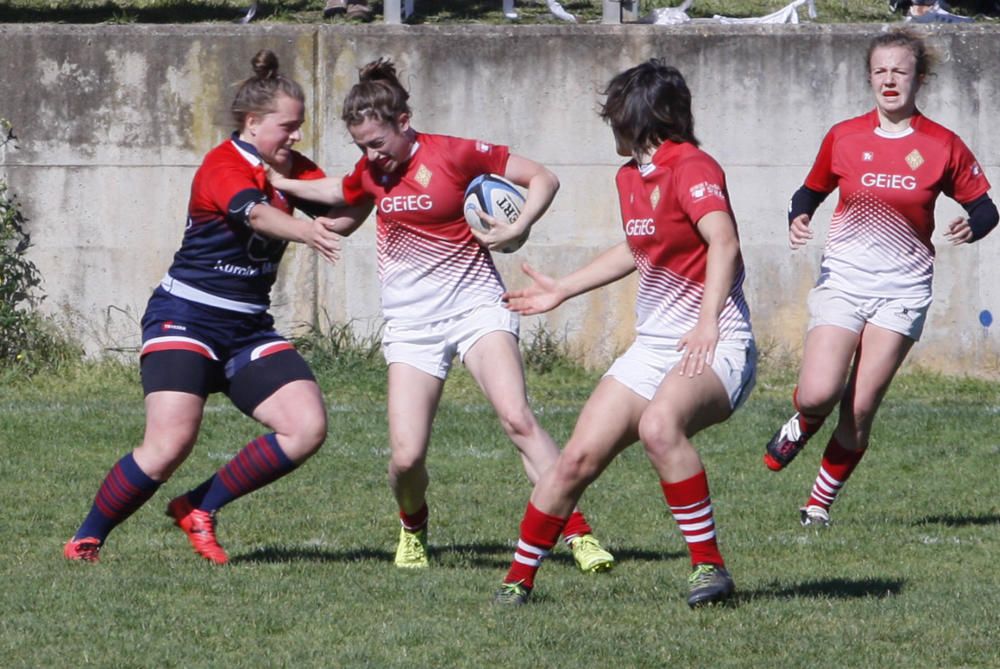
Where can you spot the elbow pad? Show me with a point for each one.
(983, 216)
(804, 201)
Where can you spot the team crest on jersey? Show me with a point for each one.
(914, 159)
(423, 176)
(483, 147)
(706, 189)
(867, 156)
(976, 169)
(654, 197)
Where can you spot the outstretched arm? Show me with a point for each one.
(546, 293)
(328, 190)
(318, 233)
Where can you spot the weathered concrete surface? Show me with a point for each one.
(113, 120)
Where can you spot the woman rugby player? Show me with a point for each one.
(693, 361)
(870, 302)
(441, 293)
(206, 328)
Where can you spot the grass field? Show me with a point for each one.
(906, 577)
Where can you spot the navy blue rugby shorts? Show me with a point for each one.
(199, 349)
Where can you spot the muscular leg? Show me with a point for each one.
(826, 360)
(495, 362)
(413, 398)
(172, 422)
(682, 407)
(878, 357)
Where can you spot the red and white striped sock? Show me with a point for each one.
(691, 505)
(576, 526)
(539, 533)
(837, 465)
(414, 522)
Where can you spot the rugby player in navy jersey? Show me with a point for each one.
(874, 289)
(441, 293)
(207, 329)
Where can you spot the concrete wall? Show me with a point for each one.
(113, 120)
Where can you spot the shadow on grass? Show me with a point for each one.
(959, 521)
(493, 556)
(837, 588)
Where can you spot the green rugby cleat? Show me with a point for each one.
(590, 557)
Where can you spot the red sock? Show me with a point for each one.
(691, 505)
(576, 526)
(539, 533)
(834, 470)
(809, 424)
(414, 522)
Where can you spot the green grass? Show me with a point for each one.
(427, 11)
(906, 577)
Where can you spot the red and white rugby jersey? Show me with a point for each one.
(221, 258)
(661, 204)
(430, 265)
(879, 242)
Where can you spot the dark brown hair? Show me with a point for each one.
(377, 95)
(648, 104)
(257, 94)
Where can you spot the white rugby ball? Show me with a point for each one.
(499, 198)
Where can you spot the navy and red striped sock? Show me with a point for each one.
(125, 489)
(259, 463)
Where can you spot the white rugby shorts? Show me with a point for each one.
(431, 347)
(645, 364)
(832, 306)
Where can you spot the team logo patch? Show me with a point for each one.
(654, 197)
(867, 156)
(706, 189)
(976, 169)
(914, 159)
(423, 176)
(483, 147)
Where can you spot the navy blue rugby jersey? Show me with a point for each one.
(222, 261)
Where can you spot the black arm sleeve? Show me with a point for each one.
(804, 201)
(983, 216)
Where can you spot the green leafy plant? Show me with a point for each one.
(27, 341)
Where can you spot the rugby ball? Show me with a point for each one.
(497, 197)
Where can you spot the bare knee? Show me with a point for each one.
(576, 469)
(406, 457)
(305, 436)
(517, 421)
(818, 398)
(660, 435)
(161, 454)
